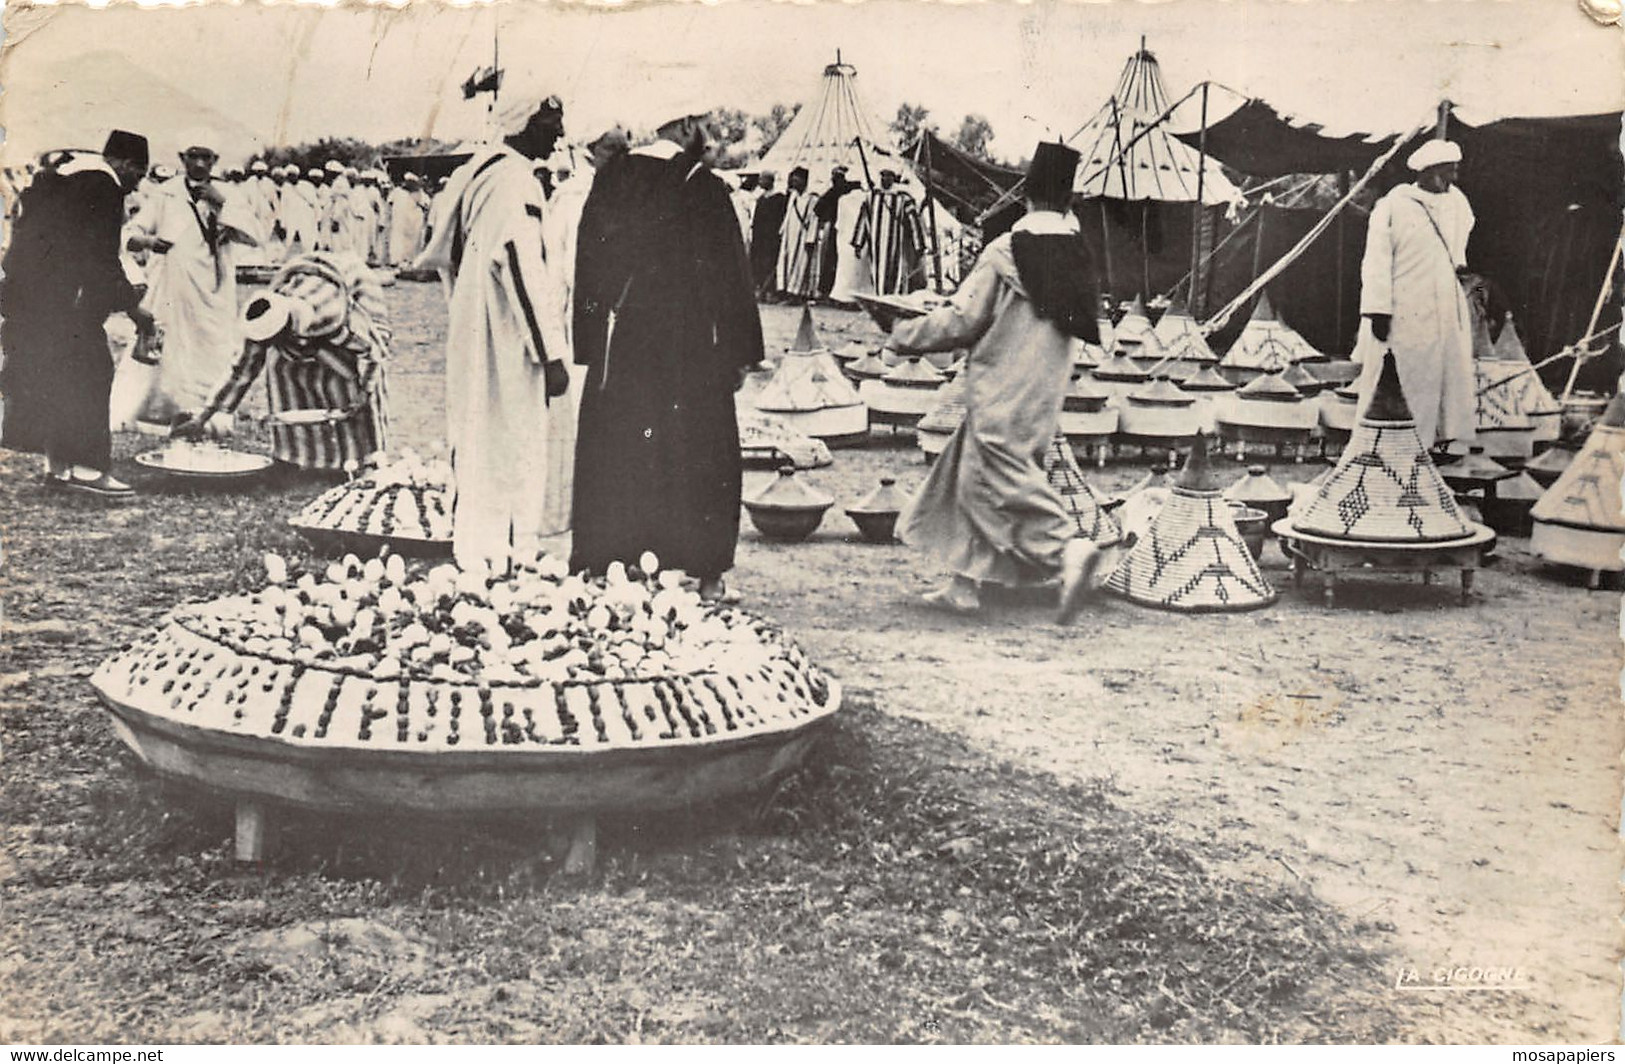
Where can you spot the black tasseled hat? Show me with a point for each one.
(125, 145)
(1050, 175)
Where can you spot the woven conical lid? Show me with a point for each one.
(914, 373)
(870, 367)
(1189, 345)
(1477, 467)
(807, 382)
(1174, 320)
(1192, 558)
(852, 350)
(1270, 387)
(806, 340)
(1587, 495)
(1119, 367)
(1197, 473)
(787, 492)
(885, 499)
(1135, 328)
(1078, 498)
(1160, 392)
(1084, 394)
(1384, 488)
(1508, 348)
(1257, 486)
(950, 408)
(1521, 488)
(1085, 355)
(1206, 379)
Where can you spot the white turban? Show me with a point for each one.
(1434, 153)
(515, 114)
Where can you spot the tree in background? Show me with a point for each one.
(771, 126)
(910, 122)
(975, 133)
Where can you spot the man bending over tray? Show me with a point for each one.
(321, 336)
(987, 511)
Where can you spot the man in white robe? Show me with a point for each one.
(505, 345)
(300, 211)
(1412, 300)
(191, 232)
(408, 206)
(564, 216)
(853, 275)
(798, 240)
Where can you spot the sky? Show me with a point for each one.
(288, 73)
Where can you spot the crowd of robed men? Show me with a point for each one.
(590, 381)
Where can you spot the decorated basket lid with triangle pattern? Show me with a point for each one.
(1587, 494)
(1385, 487)
(806, 382)
(1181, 337)
(1268, 343)
(1135, 328)
(1192, 558)
(1079, 499)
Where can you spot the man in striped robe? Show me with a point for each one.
(505, 346)
(798, 240)
(891, 234)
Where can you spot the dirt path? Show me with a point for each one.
(1453, 772)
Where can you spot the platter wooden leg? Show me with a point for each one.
(1100, 456)
(1594, 581)
(1298, 567)
(252, 824)
(1330, 589)
(1427, 577)
(1467, 585)
(583, 854)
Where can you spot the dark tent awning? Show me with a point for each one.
(1256, 140)
(960, 178)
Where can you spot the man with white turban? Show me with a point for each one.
(1412, 301)
(408, 206)
(505, 345)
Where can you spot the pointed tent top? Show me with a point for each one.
(1388, 399)
(1197, 475)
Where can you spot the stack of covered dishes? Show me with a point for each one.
(809, 393)
(1578, 521)
(1087, 509)
(1159, 414)
(1086, 419)
(1212, 394)
(904, 395)
(1269, 411)
(1134, 334)
(1119, 375)
(1266, 345)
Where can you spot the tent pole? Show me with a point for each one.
(924, 150)
(1145, 247)
(1444, 120)
(1342, 190)
(1596, 312)
(1196, 211)
(1106, 244)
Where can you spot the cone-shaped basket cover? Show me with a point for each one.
(1119, 367)
(1085, 395)
(1182, 338)
(806, 382)
(1521, 488)
(1192, 558)
(806, 341)
(1135, 328)
(870, 367)
(914, 373)
(1483, 346)
(1508, 348)
(1174, 321)
(1385, 487)
(1257, 486)
(1587, 495)
(1476, 468)
(950, 408)
(1270, 387)
(1550, 463)
(1079, 499)
(1206, 379)
(885, 499)
(1267, 343)
(787, 492)
(1160, 392)
(1305, 382)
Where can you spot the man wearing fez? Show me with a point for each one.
(1412, 301)
(667, 326)
(190, 235)
(987, 512)
(505, 345)
(62, 278)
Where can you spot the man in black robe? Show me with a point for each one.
(62, 278)
(828, 209)
(667, 325)
(766, 226)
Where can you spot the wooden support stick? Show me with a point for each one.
(583, 854)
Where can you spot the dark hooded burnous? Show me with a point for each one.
(987, 512)
(666, 324)
(63, 277)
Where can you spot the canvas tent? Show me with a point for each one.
(833, 128)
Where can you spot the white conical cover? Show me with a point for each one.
(1192, 559)
(833, 128)
(1135, 330)
(1267, 343)
(1081, 502)
(806, 382)
(1587, 495)
(1181, 337)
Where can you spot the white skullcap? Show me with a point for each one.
(258, 166)
(1434, 153)
(334, 166)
